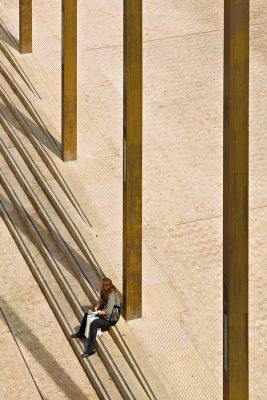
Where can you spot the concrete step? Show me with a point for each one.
(67, 319)
(111, 356)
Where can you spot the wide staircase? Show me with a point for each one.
(54, 235)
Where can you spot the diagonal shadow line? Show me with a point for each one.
(9, 38)
(40, 126)
(36, 131)
(49, 363)
(82, 264)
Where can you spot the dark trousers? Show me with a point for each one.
(97, 323)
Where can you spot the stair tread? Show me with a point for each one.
(108, 341)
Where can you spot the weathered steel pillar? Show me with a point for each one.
(235, 199)
(69, 80)
(132, 159)
(25, 26)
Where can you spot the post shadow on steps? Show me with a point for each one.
(37, 132)
(37, 117)
(7, 36)
(48, 362)
(92, 276)
(57, 253)
(7, 53)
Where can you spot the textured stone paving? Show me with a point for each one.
(181, 328)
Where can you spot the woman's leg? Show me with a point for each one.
(97, 323)
(83, 326)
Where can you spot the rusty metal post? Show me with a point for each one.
(132, 159)
(69, 80)
(25, 26)
(235, 200)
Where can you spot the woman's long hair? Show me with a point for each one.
(106, 288)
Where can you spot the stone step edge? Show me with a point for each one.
(101, 348)
(61, 211)
(89, 370)
(146, 383)
(40, 149)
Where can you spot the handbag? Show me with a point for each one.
(116, 312)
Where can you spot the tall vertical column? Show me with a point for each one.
(132, 159)
(235, 199)
(69, 80)
(25, 26)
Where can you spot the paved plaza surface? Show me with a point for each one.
(181, 327)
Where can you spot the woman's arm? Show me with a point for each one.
(110, 305)
(101, 312)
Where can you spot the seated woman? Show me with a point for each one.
(108, 298)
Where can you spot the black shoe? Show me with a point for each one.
(88, 353)
(77, 336)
